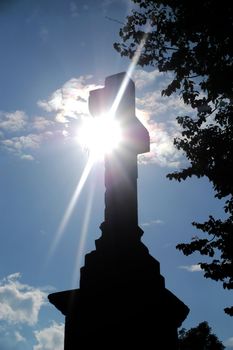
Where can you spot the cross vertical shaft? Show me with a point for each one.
(121, 207)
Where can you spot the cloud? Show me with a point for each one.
(19, 303)
(162, 149)
(20, 134)
(143, 79)
(11, 339)
(229, 342)
(158, 106)
(69, 101)
(68, 106)
(27, 157)
(153, 222)
(22, 145)
(191, 268)
(158, 115)
(13, 121)
(50, 338)
(41, 123)
(19, 337)
(30, 141)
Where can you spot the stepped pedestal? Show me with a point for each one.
(122, 301)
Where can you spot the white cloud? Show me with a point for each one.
(22, 145)
(11, 339)
(14, 121)
(162, 106)
(143, 79)
(27, 157)
(50, 338)
(19, 337)
(191, 268)
(158, 115)
(19, 303)
(69, 101)
(68, 105)
(30, 141)
(229, 343)
(21, 135)
(41, 123)
(162, 149)
(153, 222)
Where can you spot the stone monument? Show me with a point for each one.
(122, 301)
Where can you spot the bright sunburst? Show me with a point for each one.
(100, 135)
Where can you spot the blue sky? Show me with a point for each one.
(52, 54)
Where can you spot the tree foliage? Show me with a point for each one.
(200, 338)
(194, 41)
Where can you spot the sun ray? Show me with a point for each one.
(83, 237)
(71, 205)
(103, 134)
(128, 75)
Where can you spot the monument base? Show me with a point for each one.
(122, 300)
(122, 318)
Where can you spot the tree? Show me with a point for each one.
(194, 41)
(199, 338)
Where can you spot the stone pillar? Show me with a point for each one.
(122, 301)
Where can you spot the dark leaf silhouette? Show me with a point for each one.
(194, 41)
(200, 338)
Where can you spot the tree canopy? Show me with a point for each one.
(200, 338)
(194, 41)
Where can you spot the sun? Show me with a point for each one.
(100, 135)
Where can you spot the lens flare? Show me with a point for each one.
(71, 206)
(99, 136)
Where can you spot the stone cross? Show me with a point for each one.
(118, 96)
